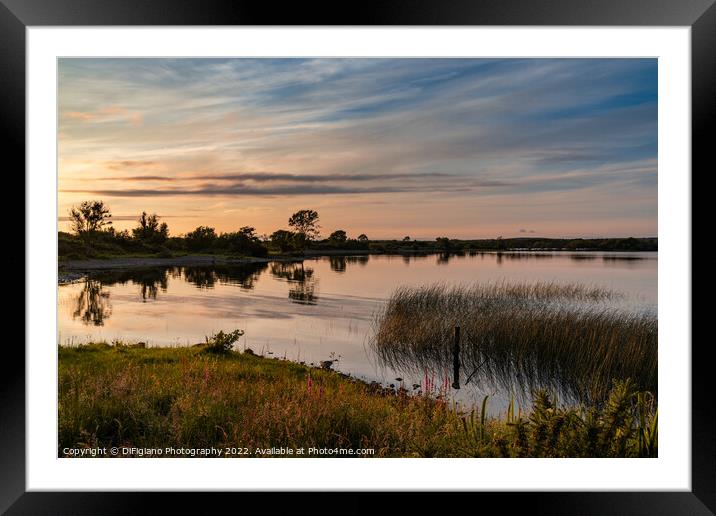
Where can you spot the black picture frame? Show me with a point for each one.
(17, 15)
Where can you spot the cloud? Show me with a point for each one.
(468, 130)
(105, 114)
(125, 217)
(301, 189)
(123, 164)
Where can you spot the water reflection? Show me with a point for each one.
(582, 257)
(149, 280)
(92, 304)
(302, 283)
(324, 305)
(445, 258)
(338, 263)
(244, 276)
(521, 372)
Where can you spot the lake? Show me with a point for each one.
(320, 309)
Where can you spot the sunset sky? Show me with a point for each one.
(465, 148)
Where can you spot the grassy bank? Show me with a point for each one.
(188, 397)
(560, 336)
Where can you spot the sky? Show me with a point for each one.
(464, 148)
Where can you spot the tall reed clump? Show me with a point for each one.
(562, 337)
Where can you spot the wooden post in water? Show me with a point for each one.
(456, 359)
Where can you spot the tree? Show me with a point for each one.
(406, 239)
(90, 217)
(443, 243)
(149, 229)
(338, 237)
(248, 232)
(283, 239)
(362, 237)
(305, 222)
(201, 238)
(244, 241)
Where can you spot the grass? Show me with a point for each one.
(120, 395)
(561, 337)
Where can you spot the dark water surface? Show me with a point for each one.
(321, 309)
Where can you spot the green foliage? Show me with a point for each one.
(613, 430)
(222, 342)
(123, 395)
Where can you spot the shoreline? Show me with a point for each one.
(188, 260)
(69, 271)
(121, 262)
(73, 270)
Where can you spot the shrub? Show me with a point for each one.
(201, 239)
(222, 342)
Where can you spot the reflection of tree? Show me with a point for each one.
(243, 275)
(338, 263)
(444, 258)
(93, 304)
(360, 260)
(202, 277)
(302, 284)
(582, 257)
(150, 280)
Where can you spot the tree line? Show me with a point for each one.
(93, 233)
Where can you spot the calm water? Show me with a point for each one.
(319, 310)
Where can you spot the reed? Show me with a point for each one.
(565, 337)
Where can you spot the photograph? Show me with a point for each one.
(452, 240)
(357, 257)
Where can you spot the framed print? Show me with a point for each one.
(447, 247)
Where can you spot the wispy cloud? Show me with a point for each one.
(468, 130)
